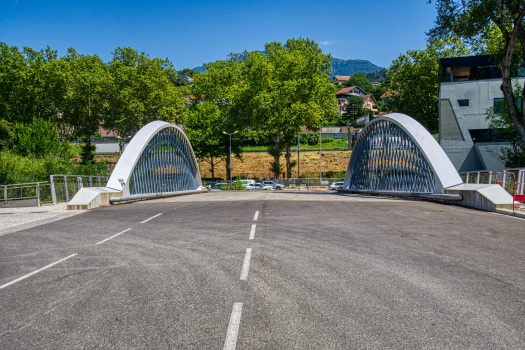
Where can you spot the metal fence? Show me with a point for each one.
(512, 180)
(30, 190)
(309, 182)
(64, 187)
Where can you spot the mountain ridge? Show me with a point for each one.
(339, 67)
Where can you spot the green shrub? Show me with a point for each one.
(313, 139)
(37, 139)
(15, 168)
(304, 139)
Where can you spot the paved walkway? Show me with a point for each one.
(14, 219)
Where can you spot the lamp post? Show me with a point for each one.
(224, 132)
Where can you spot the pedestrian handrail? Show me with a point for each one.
(503, 177)
(29, 190)
(64, 187)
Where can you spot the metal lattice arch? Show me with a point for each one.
(158, 159)
(396, 154)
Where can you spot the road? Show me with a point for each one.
(308, 271)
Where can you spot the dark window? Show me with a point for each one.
(498, 105)
(463, 103)
(492, 135)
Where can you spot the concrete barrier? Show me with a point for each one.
(482, 196)
(92, 197)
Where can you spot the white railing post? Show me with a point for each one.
(468, 174)
(478, 177)
(90, 182)
(67, 188)
(99, 185)
(490, 177)
(522, 180)
(53, 194)
(5, 193)
(38, 193)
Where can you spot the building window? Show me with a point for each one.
(498, 105)
(463, 103)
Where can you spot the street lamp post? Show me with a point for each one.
(224, 132)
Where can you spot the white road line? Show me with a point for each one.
(153, 217)
(252, 232)
(233, 328)
(256, 215)
(107, 239)
(35, 272)
(246, 264)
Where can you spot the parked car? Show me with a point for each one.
(336, 185)
(258, 186)
(275, 185)
(218, 186)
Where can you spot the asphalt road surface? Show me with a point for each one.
(266, 270)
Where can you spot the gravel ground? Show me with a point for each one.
(14, 219)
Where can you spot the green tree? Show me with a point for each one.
(499, 120)
(217, 92)
(140, 90)
(37, 139)
(354, 109)
(86, 82)
(413, 79)
(187, 71)
(360, 79)
(204, 128)
(24, 88)
(472, 20)
(284, 88)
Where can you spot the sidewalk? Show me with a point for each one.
(16, 219)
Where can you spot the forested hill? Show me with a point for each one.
(349, 67)
(340, 67)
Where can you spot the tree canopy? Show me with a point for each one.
(473, 21)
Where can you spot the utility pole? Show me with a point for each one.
(224, 132)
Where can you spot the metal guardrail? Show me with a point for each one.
(30, 190)
(504, 177)
(64, 187)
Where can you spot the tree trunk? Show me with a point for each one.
(88, 152)
(212, 169)
(289, 164)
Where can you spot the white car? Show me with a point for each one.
(274, 185)
(336, 185)
(258, 186)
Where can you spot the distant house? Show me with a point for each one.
(339, 79)
(185, 77)
(386, 95)
(375, 83)
(343, 94)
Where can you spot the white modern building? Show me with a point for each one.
(469, 86)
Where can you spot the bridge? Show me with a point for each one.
(266, 269)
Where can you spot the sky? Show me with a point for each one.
(191, 33)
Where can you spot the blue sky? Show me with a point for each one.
(190, 33)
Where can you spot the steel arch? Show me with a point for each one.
(158, 159)
(395, 153)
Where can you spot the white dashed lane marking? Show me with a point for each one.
(233, 328)
(246, 264)
(36, 271)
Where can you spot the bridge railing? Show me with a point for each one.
(64, 187)
(511, 180)
(39, 191)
